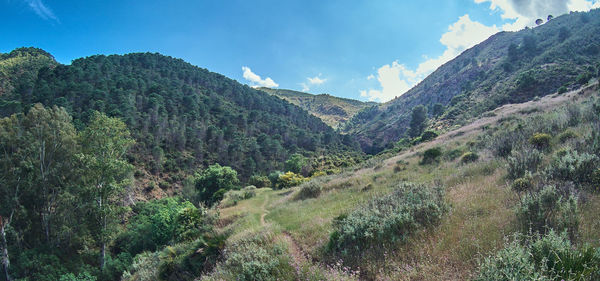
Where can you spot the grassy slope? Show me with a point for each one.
(332, 110)
(481, 203)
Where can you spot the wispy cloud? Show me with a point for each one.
(42, 10)
(395, 79)
(317, 80)
(256, 80)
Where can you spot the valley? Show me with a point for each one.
(142, 166)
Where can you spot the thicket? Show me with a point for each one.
(181, 116)
(387, 220)
(549, 257)
(255, 256)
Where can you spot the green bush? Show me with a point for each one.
(428, 135)
(571, 165)
(184, 261)
(213, 182)
(542, 211)
(259, 181)
(256, 256)
(274, 178)
(469, 157)
(540, 141)
(450, 155)
(157, 223)
(522, 161)
(431, 155)
(550, 257)
(388, 219)
(567, 135)
(309, 190)
(562, 90)
(523, 184)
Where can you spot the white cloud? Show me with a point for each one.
(317, 80)
(396, 79)
(256, 80)
(41, 9)
(525, 12)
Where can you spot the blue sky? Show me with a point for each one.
(367, 50)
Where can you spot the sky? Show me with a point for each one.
(366, 50)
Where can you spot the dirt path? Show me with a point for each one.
(299, 257)
(265, 211)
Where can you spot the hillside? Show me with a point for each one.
(485, 204)
(182, 117)
(18, 69)
(508, 67)
(334, 111)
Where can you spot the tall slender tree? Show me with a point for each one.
(106, 174)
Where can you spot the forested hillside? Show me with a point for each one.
(334, 111)
(182, 117)
(508, 67)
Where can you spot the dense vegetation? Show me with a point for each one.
(513, 196)
(509, 67)
(181, 116)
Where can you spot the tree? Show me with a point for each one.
(529, 44)
(213, 182)
(418, 121)
(37, 150)
(438, 109)
(295, 163)
(49, 139)
(11, 181)
(513, 52)
(539, 21)
(550, 17)
(563, 34)
(105, 174)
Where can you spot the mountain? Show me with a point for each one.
(508, 67)
(182, 117)
(334, 111)
(18, 69)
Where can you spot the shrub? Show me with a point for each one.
(522, 161)
(431, 155)
(256, 256)
(453, 154)
(274, 178)
(562, 90)
(388, 219)
(309, 190)
(232, 197)
(259, 181)
(428, 135)
(214, 181)
(290, 179)
(541, 211)
(523, 184)
(469, 157)
(160, 222)
(567, 135)
(540, 141)
(550, 257)
(573, 166)
(186, 260)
